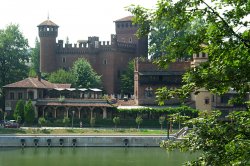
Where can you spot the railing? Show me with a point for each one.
(182, 132)
(49, 100)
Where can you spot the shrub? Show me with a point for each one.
(66, 121)
(116, 120)
(161, 120)
(138, 121)
(29, 113)
(92, 122)
(41, 121)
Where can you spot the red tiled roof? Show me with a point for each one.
(63, 85)
(34, 83)
(48, 23)
(75, 104)
(128, 18)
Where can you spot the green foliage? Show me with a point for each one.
(92, 122)
(61, 99)
(66, 121)
(19, 119)
(41, 121)
(84, 75)
(138, 121)
(13, 55)
(62, 76)
(116, 121)
(220, 142)
(161, 120)
(183, 110)
(19, 110)
(182, 28)
(127, 79)
(35, 58)
(29, 113)
(220, 29)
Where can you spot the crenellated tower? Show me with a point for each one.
(48, 32)
(126, 33)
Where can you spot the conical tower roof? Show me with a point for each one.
(48, 23)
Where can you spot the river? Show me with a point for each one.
(91, 156)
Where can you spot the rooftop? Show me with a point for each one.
(31, 82)
(48, 23)
(128, 18)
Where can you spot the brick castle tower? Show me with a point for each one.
(108, 59)
(48, 32)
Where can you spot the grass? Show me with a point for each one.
(85, 131)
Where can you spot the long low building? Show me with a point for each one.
(56, 100)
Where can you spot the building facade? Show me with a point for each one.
(108, 58)
(56, 100)
(148, 78)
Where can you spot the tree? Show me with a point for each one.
(19, 110)
(219, 142)
(66, 121)
(92, 122)
(161, 120)
(217, 28)
(35, 57)
(62, 76)
(13, 55)
(84, 75)
(179, 119)
(41, 121)
(29, 113)
(116, 120)
(138, 121)
(220, 29)
(127, 79)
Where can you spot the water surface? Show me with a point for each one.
(91, 156)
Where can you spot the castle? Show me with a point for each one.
(108, 59)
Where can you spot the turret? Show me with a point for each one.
(126, 33)
(48, 32)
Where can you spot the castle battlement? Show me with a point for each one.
(93, 45)
(108, 58)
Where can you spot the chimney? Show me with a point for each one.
(39, 76)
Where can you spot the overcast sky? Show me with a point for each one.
(76, 19)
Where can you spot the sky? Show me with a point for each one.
(77, 19)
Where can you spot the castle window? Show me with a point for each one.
(197, 55)
(64, 60)
(160, 78)
(12, 95)
(31, 95)
(40, 94)
(126, 25)
(118, 25)
(105, 61)
(20, 95)
(203, 55)
(122, 25)
(130, 40)
(148, 92)
(206, 100)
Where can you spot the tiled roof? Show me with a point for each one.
(48, 23)
(64, 86)
(74, 104)
(34, 83)
(128, 18)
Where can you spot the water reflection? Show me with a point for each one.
(101, 156)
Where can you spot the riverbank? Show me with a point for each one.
(83, 131)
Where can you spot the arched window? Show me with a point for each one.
(31, 95)
(148, 92)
